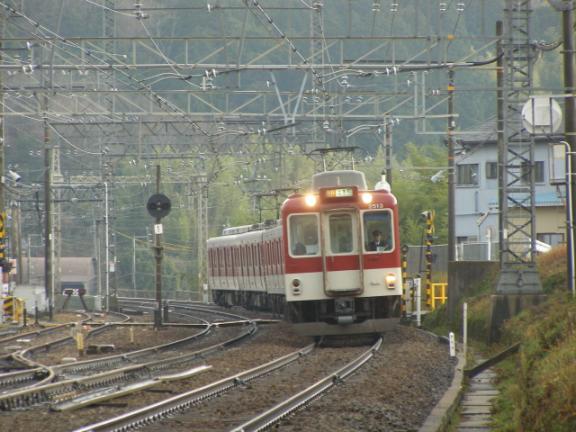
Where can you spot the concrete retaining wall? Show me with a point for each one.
(466, 278)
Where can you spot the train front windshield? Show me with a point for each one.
(341, 233)
(378, 234)
(303, 232)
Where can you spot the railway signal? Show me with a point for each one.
(158, 206)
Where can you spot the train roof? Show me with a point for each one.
(339, 178)
(246, 228)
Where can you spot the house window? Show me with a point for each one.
(467, 174)
(538, 172)
(491, 170)
(552, 239)
(557, 166)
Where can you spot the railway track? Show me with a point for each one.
(29, 371)
(172, 406)
(127, 369)
(168, 407)
(40, 336)
(286, 407)
(61, 394)
(247, 401)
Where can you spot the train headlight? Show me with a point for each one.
(296, 286)
(310, 200)
(391, 280)
(366, 198)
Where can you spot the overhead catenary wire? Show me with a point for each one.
(143, 87)
(104, 7)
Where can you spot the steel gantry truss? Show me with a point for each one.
(356, 75)
(242, 77)
(517, 201)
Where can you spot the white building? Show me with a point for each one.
(476, 191)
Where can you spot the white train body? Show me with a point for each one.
(331, 264)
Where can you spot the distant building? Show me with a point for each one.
(75, 273)
(476, 191)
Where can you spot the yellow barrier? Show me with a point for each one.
(19, 306)
(8, 307)
(442, 297)
(13, 308)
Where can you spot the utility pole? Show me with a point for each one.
(134, 265)
(4, 262)
(388, 149)
(202, 229)
(48, 249)
(500, 127)
(98, 255)
(16, 235)
(106, 250)
(570, 121)
(158, 256)
(451, 170)
(158, 206)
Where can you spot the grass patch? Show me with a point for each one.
(538, 386)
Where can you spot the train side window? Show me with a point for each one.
(378, 234)
(259, 259)
(341, 233)
(273, 255)
(210, 263)
(303, 234)
(249, 260)
(230, 265)
(279, 255)
(220, 262)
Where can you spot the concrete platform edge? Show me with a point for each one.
(440, 416)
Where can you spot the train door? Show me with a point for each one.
(342, 259)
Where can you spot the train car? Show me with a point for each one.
(332, 262)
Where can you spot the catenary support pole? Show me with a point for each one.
(570, 124)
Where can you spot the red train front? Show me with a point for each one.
(342, 256)
(332, 262)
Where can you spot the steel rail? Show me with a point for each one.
(194, 306)
(278, 412)
(39, 333)
(167, 407)
(47, 374)
(35, 333)
(60, 391)
(36, 370)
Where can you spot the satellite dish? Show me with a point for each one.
(542, 115)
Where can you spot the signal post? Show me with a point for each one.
(158, 206)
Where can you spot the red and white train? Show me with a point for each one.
(331, 263)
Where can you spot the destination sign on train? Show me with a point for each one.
(339, 193)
